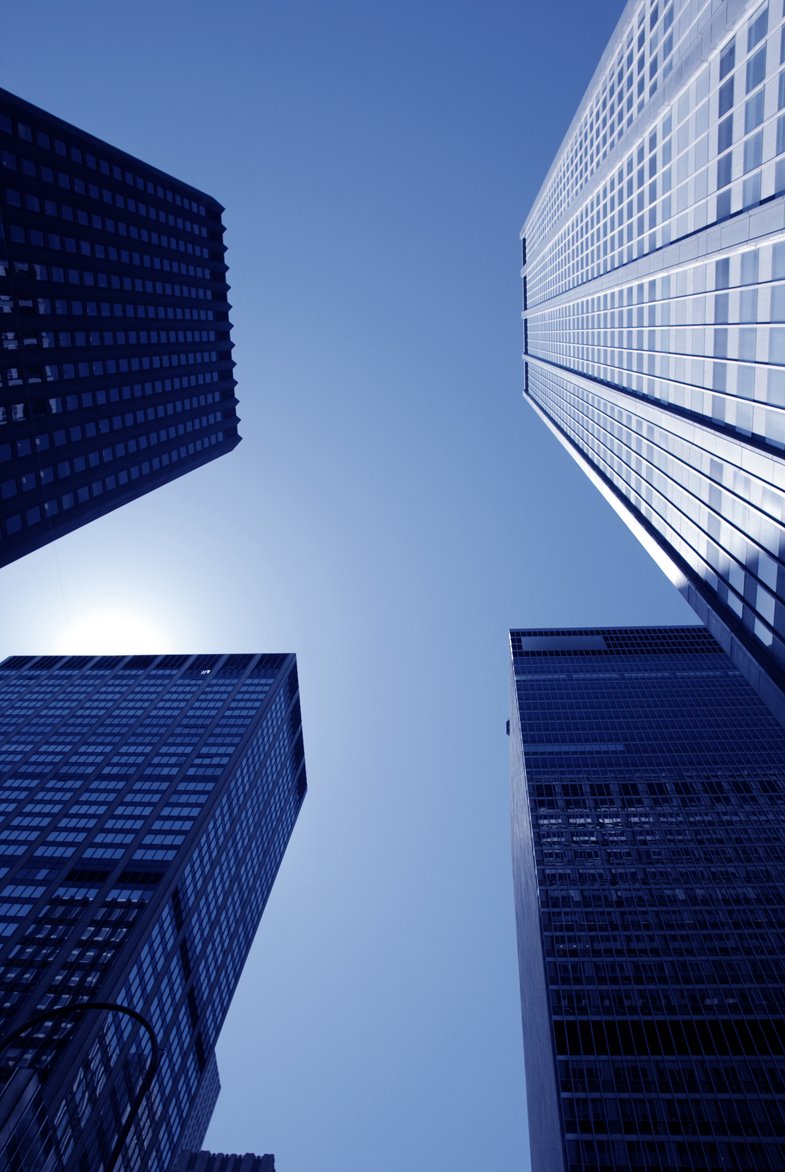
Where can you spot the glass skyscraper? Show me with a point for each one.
(115, 354)
(649, 865)
(654, 306)
(145, 806)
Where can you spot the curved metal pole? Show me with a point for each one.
(109, 1006)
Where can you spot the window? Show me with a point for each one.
(757, 28)
(756, 69)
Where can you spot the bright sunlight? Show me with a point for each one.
(111, 630)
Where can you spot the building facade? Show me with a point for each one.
(649, 865)
(654, 306)
(115, 354)
(145, 806)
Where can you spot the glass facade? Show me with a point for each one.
(115, 352)
(145, 806)
(654, 306)
(648, 848)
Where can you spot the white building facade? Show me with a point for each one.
(654, 306)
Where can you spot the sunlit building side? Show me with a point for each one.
(654, 306)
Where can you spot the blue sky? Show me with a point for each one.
(393, 509)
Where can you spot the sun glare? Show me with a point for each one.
(111, 630)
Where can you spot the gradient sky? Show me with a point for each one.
(393, 509)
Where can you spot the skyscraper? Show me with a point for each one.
(654, 306)
(115, 363)
(649, 865)
(146, 803)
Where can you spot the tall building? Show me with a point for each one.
(654, 306)
(145, 806)
(649, 865)
(115, 365)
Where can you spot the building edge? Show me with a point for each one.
(546, 1129)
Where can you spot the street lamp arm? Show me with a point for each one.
(110, 1007)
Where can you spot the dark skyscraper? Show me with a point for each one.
(146, 803)
(648, 848)
(115, 363)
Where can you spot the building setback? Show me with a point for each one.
(648, 856)
(115, 355)
(218, 1162)
(145, 806)
(654, 306)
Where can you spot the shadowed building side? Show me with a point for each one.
(145, 806)
(648, 846)
(116, 373)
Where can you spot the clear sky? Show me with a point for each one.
(393, 509)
